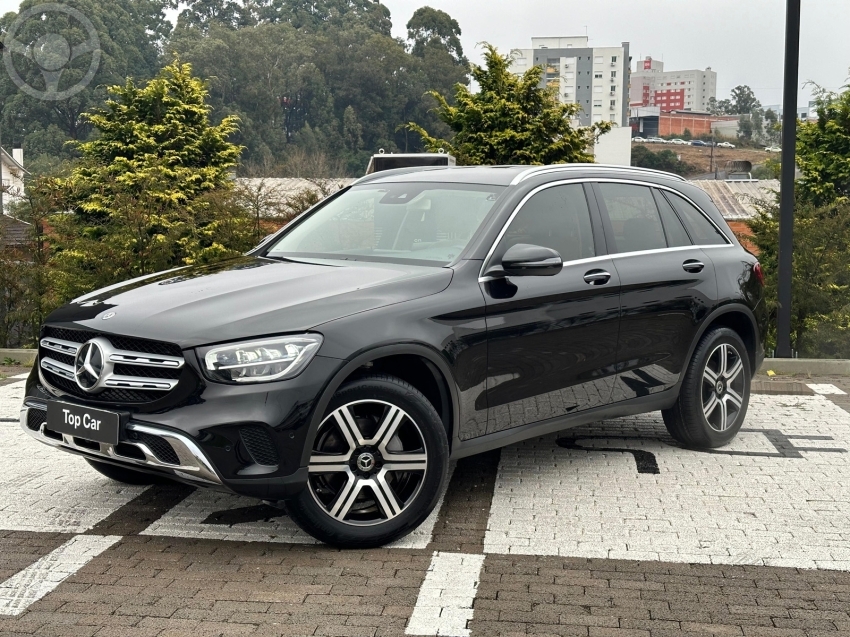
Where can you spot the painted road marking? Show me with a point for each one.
(747, 503)
(34, 582)
(826, 389)
(444, 604)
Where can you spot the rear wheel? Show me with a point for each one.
(715, 393)
(125, 475)
(377, 468)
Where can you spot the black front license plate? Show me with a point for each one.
(83, 422)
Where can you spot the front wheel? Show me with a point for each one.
(377, 467)
(715, 392)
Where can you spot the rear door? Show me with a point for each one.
(552, 340)
(667, 282)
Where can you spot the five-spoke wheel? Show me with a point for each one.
(377, 467)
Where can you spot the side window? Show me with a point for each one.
(634, 217)
(556, 218)
(702, 231)
(673, 228)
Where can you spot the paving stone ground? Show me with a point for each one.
(609, 530)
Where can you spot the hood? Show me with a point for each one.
(247, 297)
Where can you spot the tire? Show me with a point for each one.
(125, 475)
(378, 465)
(715, 393)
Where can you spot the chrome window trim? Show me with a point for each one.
(542, 170)
(596, 180)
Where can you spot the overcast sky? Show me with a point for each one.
(743, 40)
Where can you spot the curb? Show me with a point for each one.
(809, 366)
(25, 356)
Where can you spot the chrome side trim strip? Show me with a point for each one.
(58, 345)
(194, 465)
(146, 360)
(60, 369)
(582, 180)
(135, 382)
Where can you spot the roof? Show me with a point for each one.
(11, 161)
(291, 185)
(734, 199)
(13, 231)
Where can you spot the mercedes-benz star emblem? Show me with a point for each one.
(108, 316)
(365, 462)
(88, 366)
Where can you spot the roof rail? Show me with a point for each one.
(542, 170)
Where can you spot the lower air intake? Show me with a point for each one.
(163, 451)
(260, 445)
(35, 418)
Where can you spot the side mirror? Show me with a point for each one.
(523, 259)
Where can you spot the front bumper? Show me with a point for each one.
(213, 439)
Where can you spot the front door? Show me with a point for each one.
(552, 340)
(668, 287)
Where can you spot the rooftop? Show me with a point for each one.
(735, 199)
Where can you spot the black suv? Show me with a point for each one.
(418, 316)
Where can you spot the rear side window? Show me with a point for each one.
(634, 217)
(556, 218)
(702, 231)
(673, 228)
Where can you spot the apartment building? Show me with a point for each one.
(688, 90)
(596, 78)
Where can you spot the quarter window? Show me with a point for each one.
(556, 218)
(673, 228)
(702, 231)
(634, 217)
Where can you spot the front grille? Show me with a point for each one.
(260, 445)
(36, 418)
(126, 392)
(163, 451)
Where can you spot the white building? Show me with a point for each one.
(688, 90)
(596, 78)
(12, 174)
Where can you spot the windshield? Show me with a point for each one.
(408, 222)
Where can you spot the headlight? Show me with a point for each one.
(261, 361)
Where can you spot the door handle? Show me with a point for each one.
(692, 265)
(597, 277)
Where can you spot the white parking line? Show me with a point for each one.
(444, 604)
(826, 389)
(37, 580)
(779, 495)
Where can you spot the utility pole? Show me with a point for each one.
(786, 202)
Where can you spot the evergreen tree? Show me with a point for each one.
(510, 120)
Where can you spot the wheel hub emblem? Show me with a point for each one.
(365, 461)
(719, 387)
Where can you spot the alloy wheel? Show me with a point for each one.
(368, 462)
(723, 387)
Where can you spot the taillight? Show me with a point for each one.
(759, 273)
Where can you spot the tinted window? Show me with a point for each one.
(556, 218)
(409, 222)
(673, 228)
(702, 231)
(634, 217)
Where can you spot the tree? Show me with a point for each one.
(663, 160)
(772, 127)
(314, 15)
(130, 33)
(745, 128)
(434, 28)
(744, 101)
(510, 120)
(153, 188)
(821, 262)
(823, 149)
(719, 107)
